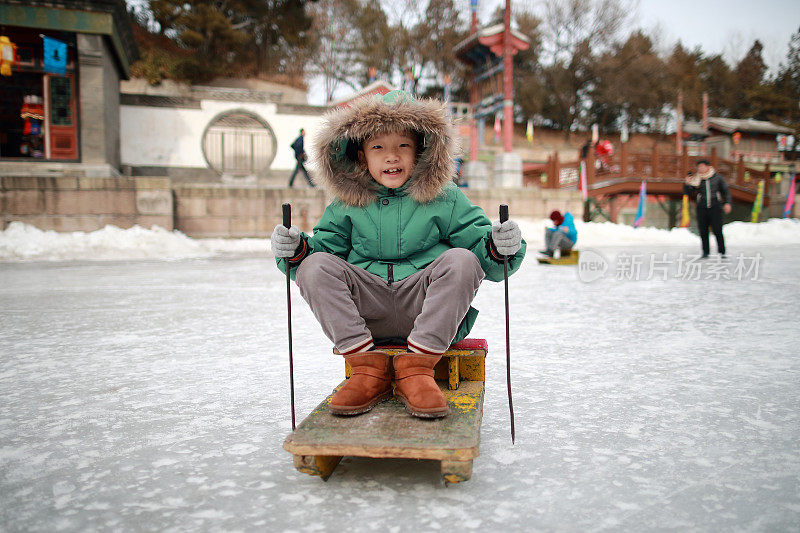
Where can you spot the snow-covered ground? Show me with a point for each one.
(140, 394)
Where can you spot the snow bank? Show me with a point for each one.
(776, 231)
(22, 242)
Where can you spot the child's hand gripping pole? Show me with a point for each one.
(287, 222)
(503, 218)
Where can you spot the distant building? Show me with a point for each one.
(756, 141)
(376, 87)
(64, 122)
(234, 131)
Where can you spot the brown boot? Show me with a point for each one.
(416, 387)
(369, 385)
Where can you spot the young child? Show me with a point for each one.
(398, 254)
(562, 236)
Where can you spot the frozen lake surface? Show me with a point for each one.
(153, 395)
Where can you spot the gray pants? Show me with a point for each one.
(354, 306)
(556, 239)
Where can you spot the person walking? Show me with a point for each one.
(300, 157)
(713, 197)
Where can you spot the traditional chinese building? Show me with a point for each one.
(756, 141)
(65, 119)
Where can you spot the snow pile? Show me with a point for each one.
(773, 231)
(776, 231)
(23, 242)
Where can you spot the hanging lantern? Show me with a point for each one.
(8, 55)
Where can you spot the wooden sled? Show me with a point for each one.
(567, 258)
(389, 431)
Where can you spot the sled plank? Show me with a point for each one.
(389, 431)
(569, 259)
(316, 465)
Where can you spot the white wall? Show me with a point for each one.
(172, 137)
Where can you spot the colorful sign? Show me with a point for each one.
(55, 56)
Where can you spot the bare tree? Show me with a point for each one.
(568, 24)
(573, 32)
(336, 50)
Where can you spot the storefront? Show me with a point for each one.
(59, 84)
(37, 108)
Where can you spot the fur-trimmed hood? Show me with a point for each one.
(343, 130)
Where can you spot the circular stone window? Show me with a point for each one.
(239, 144)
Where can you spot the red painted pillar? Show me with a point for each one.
(508, 82)
(473, 91)
(473, 128)
(679, 130)
(705, 120)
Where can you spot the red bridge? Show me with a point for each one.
(622, 175)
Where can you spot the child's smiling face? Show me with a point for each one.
(389, 158)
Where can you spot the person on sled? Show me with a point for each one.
(398, 254)
(561, 236)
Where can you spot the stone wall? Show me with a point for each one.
(85, 204)
(528, 202)
(218, 211)
(208, 210)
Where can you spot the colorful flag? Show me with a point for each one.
(582, 181)
(640, 212)
(55, 56)
(787, 211)
(756, 212)
(529, 132)
(685, 218)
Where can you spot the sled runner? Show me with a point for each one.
(567, 258)
(388, 430)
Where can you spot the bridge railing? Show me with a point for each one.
(645, 165)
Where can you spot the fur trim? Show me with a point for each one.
(351, 184)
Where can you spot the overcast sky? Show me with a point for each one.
(728, 27)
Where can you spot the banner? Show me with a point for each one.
(529, 131)
(787, 211)
(685, 217)
(55, 56)
(641, 211)
(756, 212)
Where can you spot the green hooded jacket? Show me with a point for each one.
(394, 233)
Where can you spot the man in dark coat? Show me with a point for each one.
(300, 156)
(713, 197)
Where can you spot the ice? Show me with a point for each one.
(153, 395)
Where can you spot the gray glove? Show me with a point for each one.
(284, 241)
(507, 237)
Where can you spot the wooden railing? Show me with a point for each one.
(652, 165)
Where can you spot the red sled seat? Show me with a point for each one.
(464, 360)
